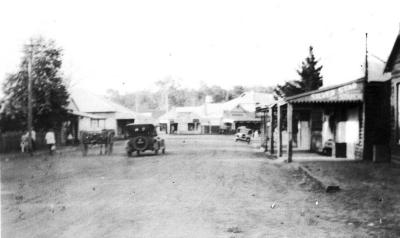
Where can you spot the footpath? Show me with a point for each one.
(369, 192)
(366, 194)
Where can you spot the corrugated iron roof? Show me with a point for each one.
(393, 55)
(327, 101)
(347, 92)
(84, 101)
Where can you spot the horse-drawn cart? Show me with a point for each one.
(102, 138)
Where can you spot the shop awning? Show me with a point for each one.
(351, 92)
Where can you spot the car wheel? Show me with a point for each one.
(142, 145)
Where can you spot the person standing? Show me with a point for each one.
(33, 137)
(24, 142)
(70, 139)
(50, 141)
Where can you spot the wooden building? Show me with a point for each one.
(181, 120)
(393, 67)
(96, 112)
(345, 121)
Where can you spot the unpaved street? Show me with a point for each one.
(204, 186)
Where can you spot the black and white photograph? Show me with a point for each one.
(199, 119)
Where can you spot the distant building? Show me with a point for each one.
(181, 120)
(215, 118)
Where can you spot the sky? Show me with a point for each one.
(129, 45)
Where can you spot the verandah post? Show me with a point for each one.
(279, 144)
(289, 132)
(271, 130)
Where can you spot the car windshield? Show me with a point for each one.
(146, 130)
(244, 131)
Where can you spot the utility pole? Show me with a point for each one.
(366, 56)
(30, 59)
(364, 117)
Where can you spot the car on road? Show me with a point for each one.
(143, 137)
(243, 134)
(328, 147)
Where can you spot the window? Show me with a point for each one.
(94, 123)
(194, 126)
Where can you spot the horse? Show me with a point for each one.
(104, 137)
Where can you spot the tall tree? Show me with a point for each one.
(310, 78)
(236, 91)
(49, 93)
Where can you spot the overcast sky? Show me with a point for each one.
(128, 45)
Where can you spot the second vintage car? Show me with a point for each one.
(244, 134)
(143, 137)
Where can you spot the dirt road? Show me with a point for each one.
(204, 186)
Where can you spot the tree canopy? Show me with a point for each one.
(49, 93)
(310, 78)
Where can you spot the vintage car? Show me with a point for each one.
(244, 134)
(142, 137)
(328, 146)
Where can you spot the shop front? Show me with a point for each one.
(349, 121)
(332, 122)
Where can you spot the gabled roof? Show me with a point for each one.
(215, 111)
(84, 101)
(376, 70)
(188, 113)
(249, 100)
(393, 55)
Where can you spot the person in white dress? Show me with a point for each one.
(33, 136)
(50, 141)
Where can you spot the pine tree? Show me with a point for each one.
(49, 93)
(310, 78)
